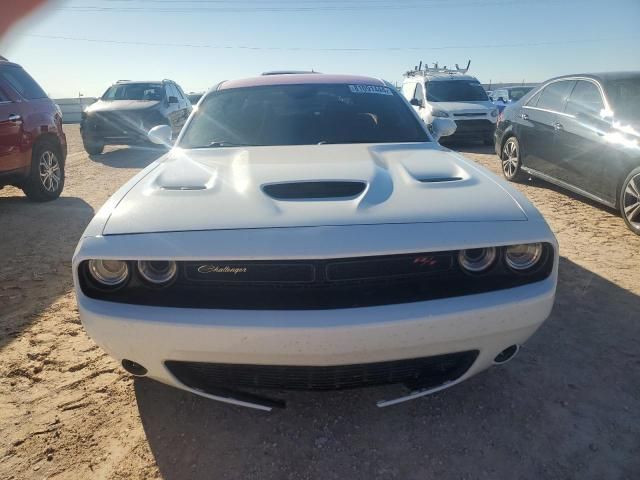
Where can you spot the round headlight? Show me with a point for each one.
(158, 272)
(523, 257)
(477, 260)
(109, 273)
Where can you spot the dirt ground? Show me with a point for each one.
(567, 407)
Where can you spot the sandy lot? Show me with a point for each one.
(567, 407)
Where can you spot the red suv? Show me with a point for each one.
(33, 147)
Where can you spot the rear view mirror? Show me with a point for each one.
(160, 135)
(442, 127)
(173, 100)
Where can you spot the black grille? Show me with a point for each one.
(317, 284)
(465, 127)
(423, 372)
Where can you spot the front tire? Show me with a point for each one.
(93, 147)
(630, 201)
(511, 162)
(46, 178)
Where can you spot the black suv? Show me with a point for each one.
(128, 110)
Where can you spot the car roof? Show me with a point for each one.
(300, 79)
(603, 76)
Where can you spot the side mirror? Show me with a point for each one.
(173, 100)
(160, 135)
(416, 103)
(442, 127)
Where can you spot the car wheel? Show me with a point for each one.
(630, 201)
(46, 178)
(510, 159)
(93, 147)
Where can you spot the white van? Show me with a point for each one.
(435, 92)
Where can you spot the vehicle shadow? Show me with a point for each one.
(34, 273)
(129, 157)
(469, 147)
(566, 407)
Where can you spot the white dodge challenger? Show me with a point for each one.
(307, 232)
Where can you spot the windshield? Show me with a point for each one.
(134, 91)
(456, 91)
(624, 96)
(302, 115)
(519, 92)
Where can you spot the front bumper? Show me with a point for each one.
(150, 336)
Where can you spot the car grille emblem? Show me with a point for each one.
(221, 269)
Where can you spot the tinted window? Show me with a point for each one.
(533, 101)
(585, 98)
(22, 83)
(554, 95)
(455, 91)
(302, 115)
(3, 97)
(134, 91)
(624, 96)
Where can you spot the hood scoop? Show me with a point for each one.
(311, 190)
(439, 179)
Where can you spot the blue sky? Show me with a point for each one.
(506, 40)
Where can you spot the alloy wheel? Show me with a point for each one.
(631, 201)
(510, 158)
(50, 171)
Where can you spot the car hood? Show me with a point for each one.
(465, 107)
(119, 105)
(228, 188)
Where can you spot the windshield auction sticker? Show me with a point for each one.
(376, 89)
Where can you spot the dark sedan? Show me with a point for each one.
(581, 132)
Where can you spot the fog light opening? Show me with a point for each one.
(134, 368)
(506, 355)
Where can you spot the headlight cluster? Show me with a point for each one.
(112, 274)
(518, 258)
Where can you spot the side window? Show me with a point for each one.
(555, 95)
(407, 90)
(418, 93)
(585, 99)
(533, 101)
(169, 91)
(181, 94)
(22, 83)
(3, 97)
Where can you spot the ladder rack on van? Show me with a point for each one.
(418, 70)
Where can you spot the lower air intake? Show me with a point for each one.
(423, 372)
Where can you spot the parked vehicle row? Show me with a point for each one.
(504, 96)
(582, 133)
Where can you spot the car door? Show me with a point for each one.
(582, 154)
(537, 126)
(11, 128)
